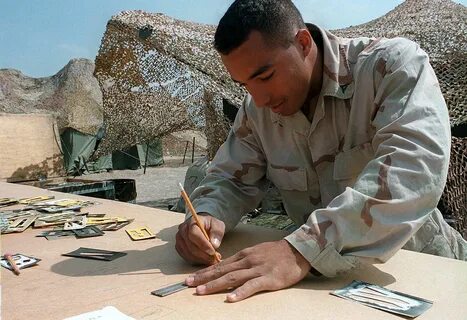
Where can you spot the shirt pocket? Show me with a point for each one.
(349, 164)
(286, 178)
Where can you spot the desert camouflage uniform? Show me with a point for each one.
(363, 178)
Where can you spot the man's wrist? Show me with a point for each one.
(315, 272)
(301, 260)
(299, 256)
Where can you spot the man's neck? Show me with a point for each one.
(316, 83)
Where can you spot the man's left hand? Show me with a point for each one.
(268, 266)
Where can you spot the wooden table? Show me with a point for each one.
(61, 286)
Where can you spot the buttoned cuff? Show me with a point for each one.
(327, 261)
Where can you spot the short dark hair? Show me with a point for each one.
(275, 19)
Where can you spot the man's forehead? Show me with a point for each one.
(252, 57)
(257, 40)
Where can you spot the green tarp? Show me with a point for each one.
(78, 147)
(135, 157)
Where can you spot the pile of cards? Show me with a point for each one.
(42, 212)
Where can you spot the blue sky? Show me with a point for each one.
(39, 37)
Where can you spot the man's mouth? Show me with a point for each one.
(276, 108)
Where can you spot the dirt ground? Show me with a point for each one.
(159, 186)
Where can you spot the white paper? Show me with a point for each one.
(107, 313)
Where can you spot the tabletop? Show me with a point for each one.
(60, 287)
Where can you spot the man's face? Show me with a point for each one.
(275, 76)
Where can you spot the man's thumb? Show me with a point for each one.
(216, 233)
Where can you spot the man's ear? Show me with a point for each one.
(304, 41)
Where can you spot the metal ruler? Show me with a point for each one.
(162, 292)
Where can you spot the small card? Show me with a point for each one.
(96, 254)
(140, 233)
(56, 234)
(21, 261)
(384, 299)
(15, 214)
(114, 226)
(20, 224)
(5, 202)
(80, 223)
(106, 220)
(90, 231)
(65, 203)
(33, 200)
(103, 314)
(56, 209)
(55, 219)
(95, 215)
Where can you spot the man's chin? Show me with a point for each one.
(284, 110)
(286, 113)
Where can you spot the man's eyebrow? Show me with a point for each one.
(258, 71)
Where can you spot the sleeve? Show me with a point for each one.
(400, 187)
(235, 181)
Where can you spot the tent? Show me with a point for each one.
(135, 156)
(78, 147)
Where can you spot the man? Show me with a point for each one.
(354, 133)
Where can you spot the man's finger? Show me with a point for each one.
(214, 272)
(236, 257)
(182, 249)
(248, 289)
(216, 232)
(196, 237)
(229, 280)
(192, 256)
(195, 251)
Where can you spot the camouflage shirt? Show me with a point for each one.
(363, 176)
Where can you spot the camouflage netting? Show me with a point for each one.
(157, 76)
(160, 75)
(455, 209)
(440, 28)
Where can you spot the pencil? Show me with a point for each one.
(12, 263)
(198, 222)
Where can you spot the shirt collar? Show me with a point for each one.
(337, 76)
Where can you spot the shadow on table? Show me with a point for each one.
(367, 273)
(163, 257)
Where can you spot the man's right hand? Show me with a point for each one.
(191, 243)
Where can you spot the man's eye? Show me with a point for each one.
(267, 77)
